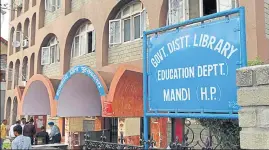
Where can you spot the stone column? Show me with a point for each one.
(253, 97)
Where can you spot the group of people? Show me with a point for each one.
(23, 134)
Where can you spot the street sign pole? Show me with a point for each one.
(145, 92)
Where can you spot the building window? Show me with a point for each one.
(52, 5)
(17, 5)
(84, 40)
(128, 25)
(181, 10)
(51, 53)
(3, 62)
(2, 76)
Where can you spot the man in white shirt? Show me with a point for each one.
(20, 142)
(11, 132)
(23, 122)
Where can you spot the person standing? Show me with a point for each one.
(29, 130)
(3, 132)
(11, 132)
(23, 122)
(20, 142)
(55, 134)
(42, 137)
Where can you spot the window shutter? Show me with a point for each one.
(83, 44)
(143, 21)
(176, 12)
(58, 4)
(48, 4)
(114, 31)
(52, 54)
(72, 49)
(45, 56)
(86, 43)
(225, 4)
(19, 2)
(93, 41)
(58, 53)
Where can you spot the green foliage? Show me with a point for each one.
(227, 132)
(255, 62)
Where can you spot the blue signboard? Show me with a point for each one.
(193, 69)
(83, 69)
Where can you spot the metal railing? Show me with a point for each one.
(205, 134)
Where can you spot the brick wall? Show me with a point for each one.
(76, 4)
(253, 97)
(52, 70)
(87, 59)
(266, 11)
(125, 52)
(51, 16)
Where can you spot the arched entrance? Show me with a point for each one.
(126, 98)
(83, 89)
(37, 98)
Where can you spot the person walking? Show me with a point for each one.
(29, 130)
(11, 132)
(42, 137)
(3, 132)
(20, 142)
(55, 134)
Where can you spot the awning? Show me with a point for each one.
(38, 96)
(80, 93)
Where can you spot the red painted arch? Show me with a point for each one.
(126, 92)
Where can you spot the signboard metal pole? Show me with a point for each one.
(145, 87)
(243, 35)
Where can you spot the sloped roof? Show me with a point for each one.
(3, 40)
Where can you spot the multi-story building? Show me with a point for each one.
(3, 67)
(49, 37)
